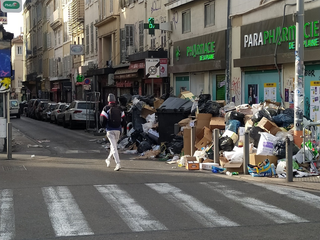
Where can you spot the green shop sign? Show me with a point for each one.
(11, 4)
(285, 34)
(204, 51)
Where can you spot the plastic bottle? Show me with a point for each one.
(235, 173)
(228, 173)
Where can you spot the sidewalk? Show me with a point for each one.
(21, 151)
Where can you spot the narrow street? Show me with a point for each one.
(66, 191)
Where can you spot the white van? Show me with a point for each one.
(14, 108)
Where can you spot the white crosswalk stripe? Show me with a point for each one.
(133, 214)
(65, 214)
(199, 211)
(7, 224)
(295, 194)
(269, 211)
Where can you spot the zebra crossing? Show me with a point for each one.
(68, 218)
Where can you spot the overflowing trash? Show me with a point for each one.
(179, 130)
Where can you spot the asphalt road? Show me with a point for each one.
(65, 191)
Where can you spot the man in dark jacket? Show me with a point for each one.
(113, 118)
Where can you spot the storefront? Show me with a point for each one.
(267, 61)
(199, 65)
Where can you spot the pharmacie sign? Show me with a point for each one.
(261, 38)
(11, 6)
(200, 49)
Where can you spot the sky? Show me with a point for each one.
(15, 22)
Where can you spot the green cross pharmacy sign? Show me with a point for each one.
(11, 6)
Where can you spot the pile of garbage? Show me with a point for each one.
(179, 130)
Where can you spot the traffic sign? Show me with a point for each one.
(11, 6)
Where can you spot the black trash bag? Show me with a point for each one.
(283, 120)
(233, 125)
(203, 98)
(136, 137)
(147, 99)
(124, 99)
(260, 114)
(211, 107)
(273, 112)
(279, 149)
(234, 115)
(176, 145)
(144, 146)
(289, 111)
(254, 135)
(226, 144)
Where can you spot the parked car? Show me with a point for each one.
(28, 108)
(79, 112)
(61, 114)
(14, 108)
(38, 111)
(54, 113)
(46, 113)
(34, 107)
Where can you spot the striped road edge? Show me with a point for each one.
(196, 209)
(65, 214)
(133, 214)
(7, 224)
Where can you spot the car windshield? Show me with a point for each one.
(14, 103)
(52, 107)
(86, 105)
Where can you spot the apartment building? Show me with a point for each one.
(17, 67)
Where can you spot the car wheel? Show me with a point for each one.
(64, 124)
(56, 121)
(18, 116)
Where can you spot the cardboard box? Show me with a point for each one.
(193, 165)
(208, 166)
(255, 159)
(203, 120)
(187, 95)
(185, 122)
(187, 141)
(147, 110)
(157, 103)
(217, 122)
(206, 139)
(223, 161)
(233, 167)
(268, 126)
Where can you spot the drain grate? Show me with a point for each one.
(14, 168)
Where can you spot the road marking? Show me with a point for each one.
(7, 224)
(133, 214)
(65, 214)
(305, 197)
(199, 211)
(269, 211)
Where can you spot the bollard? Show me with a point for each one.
(9, 140)
(289, 160)
(216, 146)
(246, 153)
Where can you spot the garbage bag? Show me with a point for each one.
(226, 144)
(176, 145)
(279, 149)
(233, 125)
(254, 135)
(273, 112)
(283, 120)
(266, 144)
(124, 99)
(260, 114)
(210, 107)
(203, 98)
(144, 146)
(234, 115)
(136, 137)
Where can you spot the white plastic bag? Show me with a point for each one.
(266, 143)
(200, 154)
(151, 118)
(235, 156)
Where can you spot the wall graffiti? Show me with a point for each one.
(155, 6)
(236, 88)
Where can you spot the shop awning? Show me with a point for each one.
(125, 71)
(54, 89)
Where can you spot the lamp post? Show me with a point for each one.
(299, 74)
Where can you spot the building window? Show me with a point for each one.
(111, 6)
(19, 50)
(129, 35)
(163, 37)
(87, 39)
(92, 37)
(209, 14)
(141, 36)
(96, 40)
(186, 21)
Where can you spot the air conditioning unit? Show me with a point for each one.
(130, 50)
(110, 79)
(91, 65)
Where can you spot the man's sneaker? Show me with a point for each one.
(108, 162)
(117, 168)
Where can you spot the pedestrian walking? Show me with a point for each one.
(112, 119)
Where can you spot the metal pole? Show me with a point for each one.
(9, 130)
(246, 152)
(289, 164)
(299, 74)
(216, 146)
(193, 140)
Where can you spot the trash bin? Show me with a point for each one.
(171, 111)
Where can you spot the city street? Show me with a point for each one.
(63, 190)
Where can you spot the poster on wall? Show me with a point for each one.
(253, 97)
(270, 92)
(315, 100)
